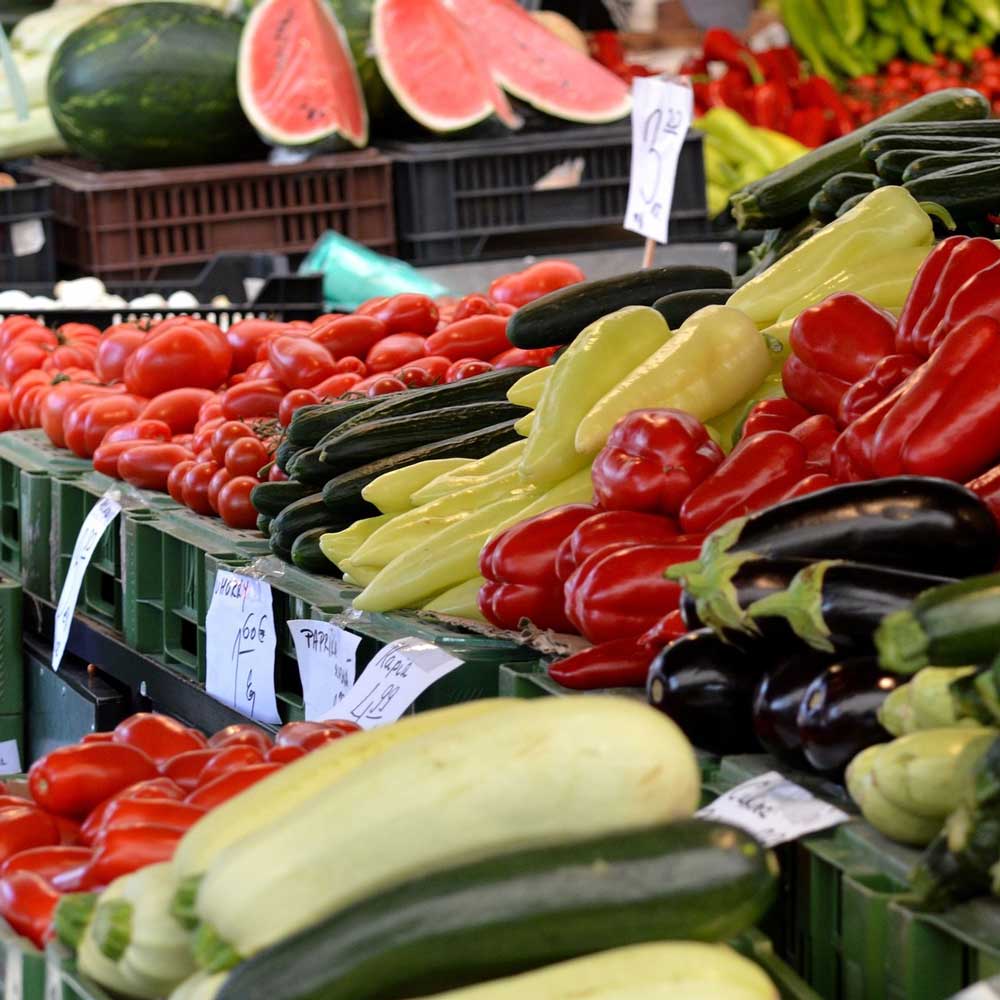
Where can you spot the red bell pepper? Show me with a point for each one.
(946, 422)
(817, 435)
(979, 296)
(671, 626)
(818, 92)
(652, 461)
(773, 415)
(617, 663)
(808, 126)
(732, 90)
(519, 566)
(947, 268)
(772, 105)
(620, 593)
(780, 63)
(720, 45)
(757, 473)
(889, 373)
(611, 529)
(851, 456)
(28, 903)
(834, 344)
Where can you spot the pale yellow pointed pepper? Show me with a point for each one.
(461, 601)
(391, 492)
(470, 474)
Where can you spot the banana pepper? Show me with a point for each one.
(597, 360)
(391, 492)
(338, 546)
(885, 223)
(714, 360)
(527, 390)
(461, 601)
(471, 473)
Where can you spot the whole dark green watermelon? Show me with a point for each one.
(152, 85)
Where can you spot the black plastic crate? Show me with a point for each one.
(475, 199)
(27, 252)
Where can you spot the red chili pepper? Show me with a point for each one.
(979, 296)
(618, 663)
(947, 268)
(149, 812)
(773, 415)
(519, 567)
(889, 373)
(611, 529)
(619, 593)
(46, 861)
(227, 759)
(671, 626)
(228, 785)
(28, 903)
(157, 788)
(652, 462)
(127, 849)
(817, 435)
(757, 473)
(808, 126)
(946, 422)
(834, 344)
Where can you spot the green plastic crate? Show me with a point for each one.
(22, 966)
(11, 660)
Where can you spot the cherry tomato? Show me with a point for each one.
(349, 336)
(518, 357)
(209, 410)
(230, 758)
(394, 351)
(72, 780)
(533, 282)
(413, 377)
(435, 364)
(253, 398)
(203, 436)
(54, 405)
(28, 904)
(180, 356)
(154, 788)
(221, 477)
(336, 385)
(246, 337)
(293, 401)
(467, 368)
(148, 812)
(300, 363)
(22, 357)
(472, 305)
(230, 784)
(194, 489)
(127, 849)
(385, 384)
(408, 312)
(225, 434)
(482, 337)
(159, 736)
(46, 861)
(246, 456)
(147, 466)
(175, 481)
(185, 767)
(233, 501)
(180, 408)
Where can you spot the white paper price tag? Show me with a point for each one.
(773, 809)
(661, 114)
(13, 978)
(239, 646)
(986, 990)
(393, 681)
(10, 757)
(327, 656)
(101, 515)
(27, 238)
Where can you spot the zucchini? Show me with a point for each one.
(932, 163)
(311, 512)
(374, 439)
(270, 499)
(968, 189)
(548, 770)
(346, 488)
(307, 555)
(929, 144)
(676, 308)
(691, 880)
(310, 423)
(782, 198)
(557, 318)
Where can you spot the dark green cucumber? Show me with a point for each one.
(689, 880)
(823, 207)
(310, 423)
(783, 197)
(963, 190)
(936, 162)
(310, 513)
(988, 128)
(270, 499)
(925, 144)
(891, 165)
(557, 318)
(848, 184)
(286, 452)
(676, 308)
(851, 203)
(308, 467)
(346, 488)
(374, 439)
(264, 524)
(307, 555)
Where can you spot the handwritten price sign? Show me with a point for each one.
(661, 114)
(240, 644)
(327, 657)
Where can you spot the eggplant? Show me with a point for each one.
(838, 715)
(706, 685)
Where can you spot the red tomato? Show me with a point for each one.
(54, 405)
(408, 312)
(246, 337)
(221, 477)
(229, 759)
(85, 424)
(72, 780)
(472, 305)
(230, 784)
(69, 356)
(253, 398)
(28, 903)
(261, 369)
(158, 736)
(127, 849)
(434, 364)
(518, 357)
(35, 379)
(179, 408)
(225, 434)
(467, 368)
(147, 466)
(246, 456)
(142, 429)
(183, 355)
(6, 416)
(351, 365)
(413, 377)
(298, 733)
(30, 404)
(69, 831)
(175, 481)
(203, 436)
(70, 332)
(320, 739)
(183, 439)
(300, 363)
(370, 306)
(385, 384)
(336, 385)
(97, 737)
(46, 861)
(349, 336)
(533, 282)
(23, 826)
(148, 812)
(284, 755)
(155, 788)
(209, 410)
(482, 337)
(293, 401)
(395, 351)
(185, 767)
(106, 457)
(194, 489)
(20, 358)
(241, 734)
(16, 326)
(233, 501)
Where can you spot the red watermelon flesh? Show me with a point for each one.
(529, 62)
(298, 83)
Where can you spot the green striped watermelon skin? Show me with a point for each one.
(152, 85)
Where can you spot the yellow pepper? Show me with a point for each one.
(470, 474)
(462, 601)
(527, 390)
(340, 545)
(391, 492)
(888, 221)
(715, 359)
(358, 574)
(524, 425)
(737, 136)
(578, 488)
(596, 361)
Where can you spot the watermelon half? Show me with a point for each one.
(298, 82)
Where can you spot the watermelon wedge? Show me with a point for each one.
(530, 63)
(298, 83)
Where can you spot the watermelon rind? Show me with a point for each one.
(322, 138)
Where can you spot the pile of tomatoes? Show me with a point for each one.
(116, 802)
(180, 406)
